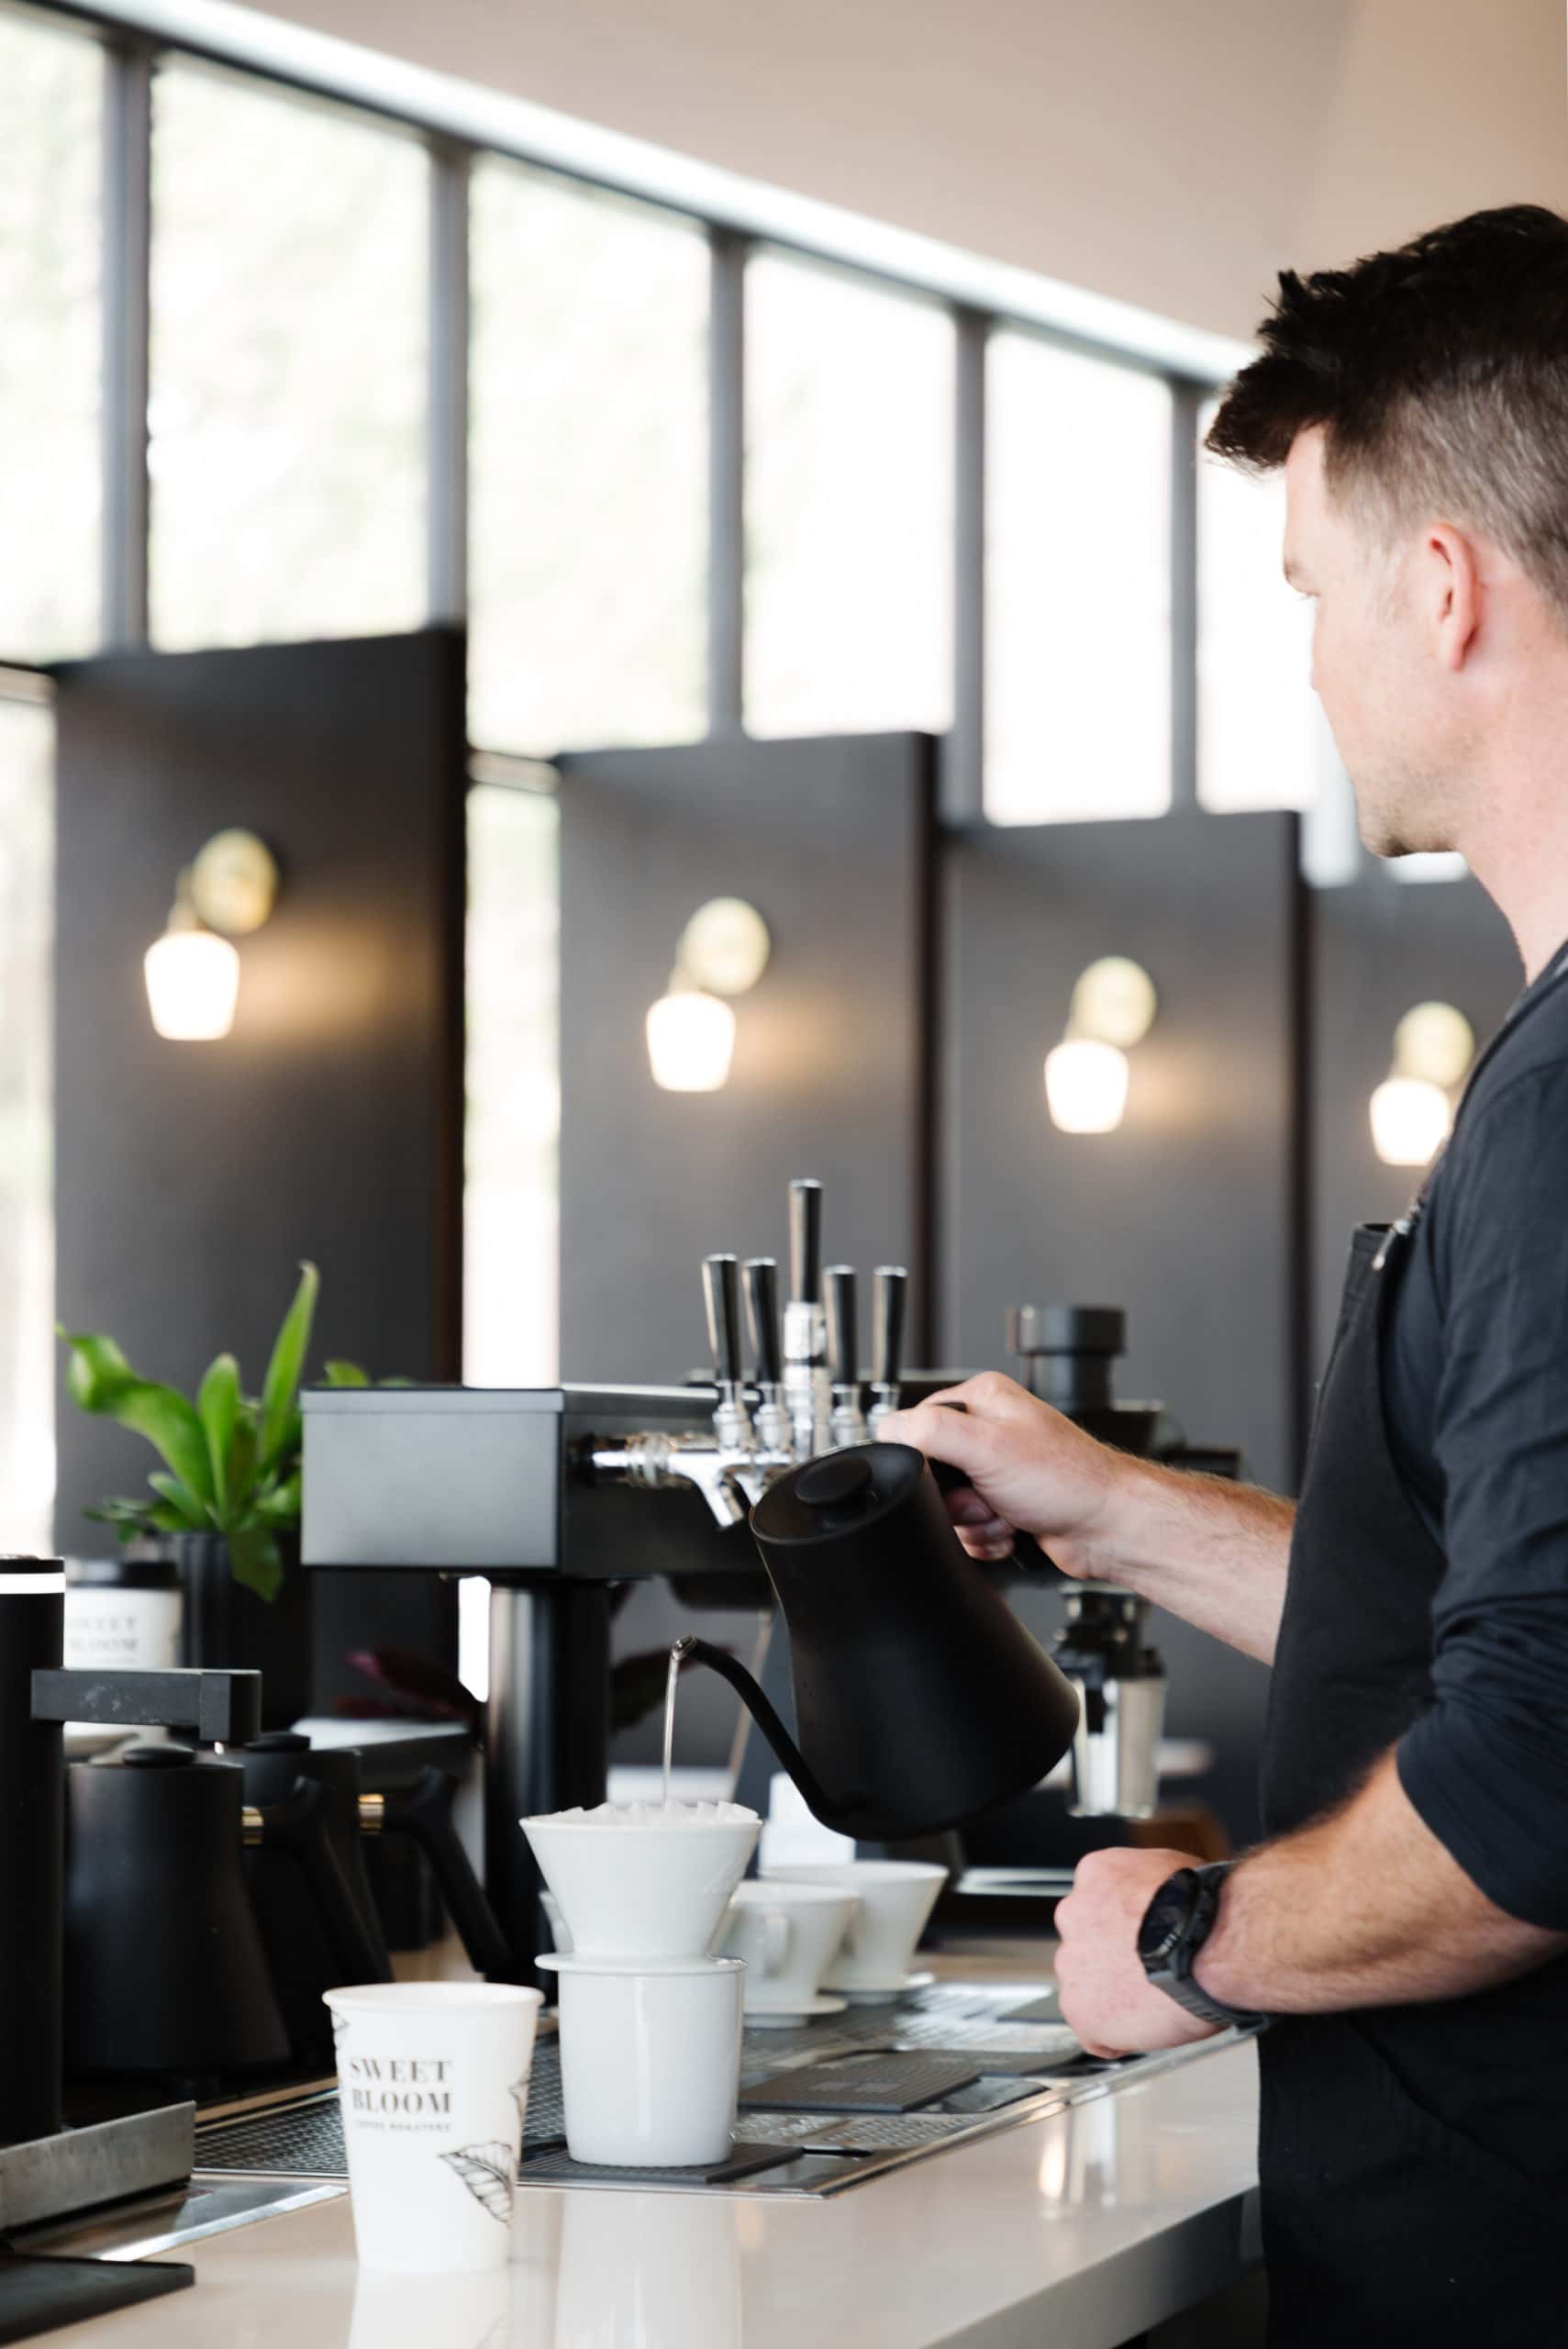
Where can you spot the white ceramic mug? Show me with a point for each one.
(894, 1898)
(650, 2058)
(635, 1888)
(787, 1933)
(433, 2080)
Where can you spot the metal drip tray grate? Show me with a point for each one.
(819, 2152)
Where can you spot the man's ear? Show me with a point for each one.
(1452, 588)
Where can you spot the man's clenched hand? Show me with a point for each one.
(1105, 1995)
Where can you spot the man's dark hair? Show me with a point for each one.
(1440, 374)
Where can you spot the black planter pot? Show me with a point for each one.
(227, 1625)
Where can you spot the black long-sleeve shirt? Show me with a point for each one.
(1475, 1380)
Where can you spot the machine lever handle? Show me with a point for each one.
(721, 1292)
(843, 1352)
(805, 1241)
(763, 1313)
(889, 1293)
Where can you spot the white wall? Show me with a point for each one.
(1174, 154)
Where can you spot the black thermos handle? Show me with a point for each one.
(428, 1817)
(298, 1826)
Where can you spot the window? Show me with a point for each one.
(1257, 739)
(514, 1089)
(51, 91)
(27, 1231)
(288, 367)
(588, 507)
(1078, 586)
(849, 504)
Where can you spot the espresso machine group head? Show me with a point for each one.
(556, 1494)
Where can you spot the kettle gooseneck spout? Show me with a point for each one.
(823, 1806)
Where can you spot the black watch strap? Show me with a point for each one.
(1176, 1924)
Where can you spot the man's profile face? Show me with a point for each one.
(1372, 669)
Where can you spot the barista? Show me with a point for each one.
(1406, 1923)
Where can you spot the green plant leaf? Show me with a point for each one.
(279, 1508)
(280, 1388)
(242, 1443)
(254, 1561)
(218, 1407)
(129, 1514)
(170, 1424)
(345, 1374)
(192, 1518)
(97, 1370)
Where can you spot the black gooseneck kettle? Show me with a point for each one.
(920, 1698)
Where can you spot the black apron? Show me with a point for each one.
(1414, 2159)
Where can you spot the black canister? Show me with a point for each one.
(164, 1968)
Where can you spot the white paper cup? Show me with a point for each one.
(650, 2058)
(894, 1896)
(633, 1889)
(433, 2080)
(787, 1933)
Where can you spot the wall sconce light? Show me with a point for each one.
(192, 971)
(1412, 1110)
(723, 950)
(1113, 1008)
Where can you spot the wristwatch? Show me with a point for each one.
(1176, 1923)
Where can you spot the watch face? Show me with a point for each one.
(1165, 1919)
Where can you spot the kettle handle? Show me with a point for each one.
(298, 1826)
(427, 1816)
(823, 1806)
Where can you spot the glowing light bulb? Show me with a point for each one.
(1411, 1117)
(691, 1038)
(193, 985)
(1085, 1085)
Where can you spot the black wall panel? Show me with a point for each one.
(1378, 947)
(1188, 1215)
(191, 1178)
(829, 841)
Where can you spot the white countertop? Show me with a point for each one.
(1070, 2232)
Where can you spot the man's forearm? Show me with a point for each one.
(1364, 1907)
(1206, 1550)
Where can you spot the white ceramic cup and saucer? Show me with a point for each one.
(787, 1933)
(893, 1901)
(647, 1884)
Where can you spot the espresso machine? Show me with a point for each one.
(556, 1494)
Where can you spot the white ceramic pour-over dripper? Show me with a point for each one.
(656, 1885)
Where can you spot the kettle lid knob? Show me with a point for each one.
(158, 1757)
(840, 1480)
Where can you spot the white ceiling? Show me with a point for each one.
(1173, 153)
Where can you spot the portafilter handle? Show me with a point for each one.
(839, 1282)
(805, 1241)
(889, 1296)
(763, 1313)
(721, 1294)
